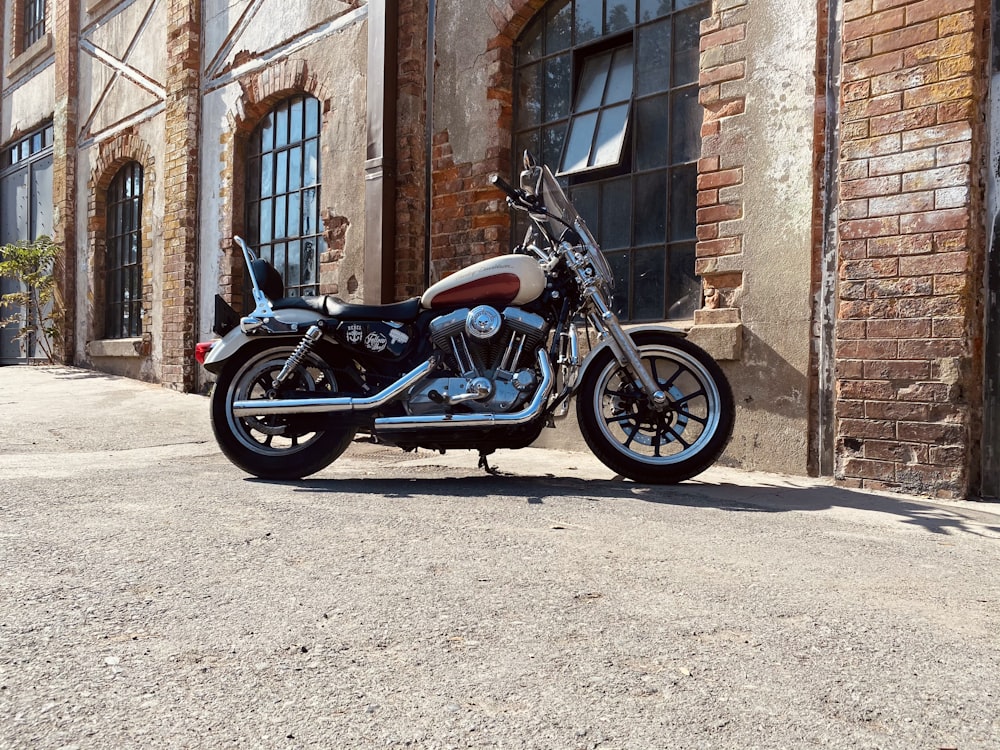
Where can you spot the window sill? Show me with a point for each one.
(24, 60)
(118, 348)
(99, 6)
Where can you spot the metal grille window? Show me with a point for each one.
(123, 260)
(606, 92)
(284, 193)
(34, 22)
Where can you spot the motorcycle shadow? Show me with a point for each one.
(709, 494)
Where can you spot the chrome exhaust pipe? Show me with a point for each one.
(431, 421)
(264, 407)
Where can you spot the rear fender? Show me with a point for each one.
(230, 344)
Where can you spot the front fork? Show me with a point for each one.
(621, 344)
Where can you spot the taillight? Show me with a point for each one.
(201, 350)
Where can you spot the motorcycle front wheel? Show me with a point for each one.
(637, 441)
(283, 446)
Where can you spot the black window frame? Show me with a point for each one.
(33, 22)
(123, 280)
(652, 251)
(283, 193)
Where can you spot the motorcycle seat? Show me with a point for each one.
(334, 307)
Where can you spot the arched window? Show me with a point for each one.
(123, 258)
(283, 197)
(606, 94)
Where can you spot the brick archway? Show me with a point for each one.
(261, 91)
(112, 156)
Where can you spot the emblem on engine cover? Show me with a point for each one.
(482, 322)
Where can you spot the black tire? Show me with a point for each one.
(277, 446)
(648, 446)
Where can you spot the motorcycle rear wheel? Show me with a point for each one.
(657, 447)
(276, 446)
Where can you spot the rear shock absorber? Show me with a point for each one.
(313, 335)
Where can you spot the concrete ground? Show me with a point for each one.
(152, 595)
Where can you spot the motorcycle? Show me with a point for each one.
(485, 359)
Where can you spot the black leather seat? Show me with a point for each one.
(334, 307)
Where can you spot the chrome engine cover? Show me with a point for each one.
(488, 354)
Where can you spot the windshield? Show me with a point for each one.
(558, 204)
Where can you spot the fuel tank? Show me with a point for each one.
(507, 280)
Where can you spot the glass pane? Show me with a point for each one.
(610, 136)
(266, 175)
(593, 80)
(649, 277)
(294, 276)
(685, 125)
(652, 133)
(281, 216)
(589, 18)
(651, 209)
(295, 169)
(621, 15)
(616, 214)
(558, 75)
(281, 127)
(552, 143)
(683, 202)
(531, 42)
(620, 267)
(281, 173)
(295, 124)
(581, 138)
(686, 46)
(266, 135)
(294, 215)
(280, 261)
(654, 58)
(529, 97)
(620, 83)
(312, 117)
(266, 229)
(310, 212)
(311, 166)
(558, 31)
(585, 200)
(684, 292)
(527, 142)
(682, 4)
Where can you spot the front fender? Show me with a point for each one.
(632, 330)
(230, 344)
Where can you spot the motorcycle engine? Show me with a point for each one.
(491, 357)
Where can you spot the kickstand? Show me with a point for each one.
(485, 464)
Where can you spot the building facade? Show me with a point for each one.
(805, 185)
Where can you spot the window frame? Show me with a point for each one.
(33, 22)
(123, 256)
(289, 179)
(654, 258)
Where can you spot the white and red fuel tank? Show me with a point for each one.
(507, 280)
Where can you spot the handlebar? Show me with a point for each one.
(512, 192)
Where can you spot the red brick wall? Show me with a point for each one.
(722, 82)
(469, 218)
(911, 208)
(180, 226)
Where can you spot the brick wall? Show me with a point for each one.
(722, 82)
(911, 208)
(66, 15)
(112, 156)
(180, 226)
(469, 219)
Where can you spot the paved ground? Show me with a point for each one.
(152, 596)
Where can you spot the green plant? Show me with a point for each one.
(32, 265)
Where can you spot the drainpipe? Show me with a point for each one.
(429, 138)
(380, 156)
(827, 302)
